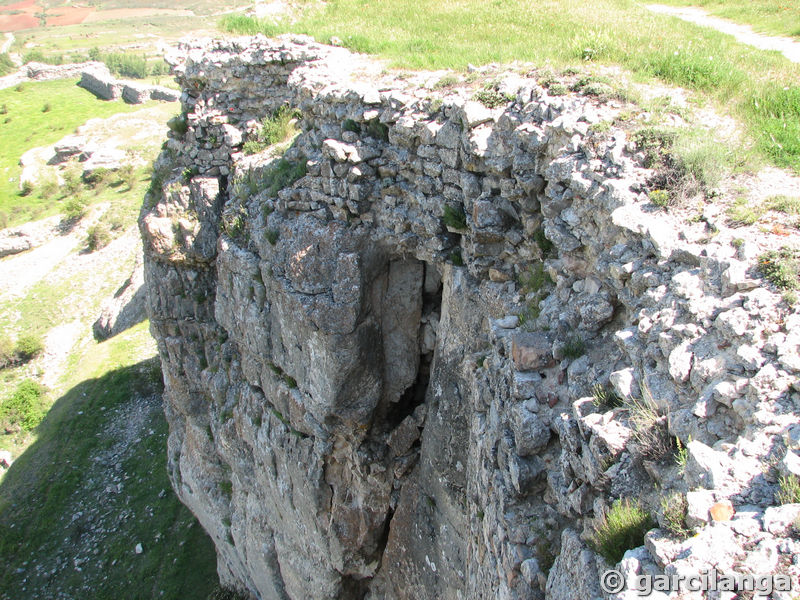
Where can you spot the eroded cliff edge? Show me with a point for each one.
(380, 348)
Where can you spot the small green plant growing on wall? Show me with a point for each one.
(621, 529)
(454, 217)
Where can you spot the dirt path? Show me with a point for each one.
(19, 272)
(743, 33)
(7, 44)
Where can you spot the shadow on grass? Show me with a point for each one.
(75, 505)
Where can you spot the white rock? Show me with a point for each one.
(698, 505)
(622, 381)
(778, 519)
(791, 463)
(138, 549)
(706, 467)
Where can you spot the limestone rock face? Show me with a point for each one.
(401, 355)
(125, 309)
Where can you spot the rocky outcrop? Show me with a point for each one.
(392, 354)
(99, 81)
(125, 309)
(14, 242)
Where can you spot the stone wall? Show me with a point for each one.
(380, 348)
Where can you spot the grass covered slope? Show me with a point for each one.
(76, 503)
(38, 114)
(761, 88)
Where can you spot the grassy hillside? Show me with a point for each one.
(76, 503)
(760, 88)
(38, 114)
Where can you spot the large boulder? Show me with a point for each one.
(98, 80)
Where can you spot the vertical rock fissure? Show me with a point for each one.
(403, 420)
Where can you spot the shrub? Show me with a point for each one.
(534, 278)
(789, 492)
(98, 236)
(98, 179)
(48, 188)
(74, 209)
(6, 352)
(126, 65)
(492, 98)
(659, 197)
(178, 124)
(6, 64)
(34, 55)
(351, 125)
(128, 175)
(781, 268)
(72, 180)
(23, 408)
(454, 217)
(673, 512)
(622, 528)
(26, 189)
(46, 107)
(574, 347)
(272, 236)
(456, 258)
(283, 174)
(650, 428)
(276, 128)
(545, 245)
(604, 397)
(681, 454)
(378, 130)
(28, 347)
(446, 82)
(159, 68)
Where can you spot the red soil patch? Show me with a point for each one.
(24, 4)
(26, 19)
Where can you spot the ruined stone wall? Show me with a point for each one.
(380, 343)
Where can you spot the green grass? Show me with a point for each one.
(673, 511)
(25, 126)
(768, 16)
(789, 489)
(6, 64)
(622, 529)
(432, 35)
(789, 205)
(62, 474)
(276, 128)
(741, 212)
(781, 268)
